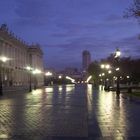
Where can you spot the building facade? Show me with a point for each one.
(86, 60)
(19, 55)
(36, 62)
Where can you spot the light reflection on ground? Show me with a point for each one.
(49, 89)
(69, 111)
(70, 88)
(111, 114)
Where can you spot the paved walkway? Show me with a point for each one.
(53, 113)
(68, 113)
(112, 117)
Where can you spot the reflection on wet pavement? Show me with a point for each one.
(68, 112)
(114, 117)
(58, 111)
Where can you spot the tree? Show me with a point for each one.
(133, 10)
(128, 67)
(94, 70)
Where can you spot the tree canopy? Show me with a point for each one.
(127, 67)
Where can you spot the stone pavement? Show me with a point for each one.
(68, 113)
(112, 117)
(58, 112)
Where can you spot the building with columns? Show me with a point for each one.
(19, 56)
(36, 62)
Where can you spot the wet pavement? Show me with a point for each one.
(69, 113)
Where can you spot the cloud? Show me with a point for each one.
(99, 48)
(31, 12)
(67, 27)
(72, 50)
(31, 8)
(130, 46)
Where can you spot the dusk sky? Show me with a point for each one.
(64, 28)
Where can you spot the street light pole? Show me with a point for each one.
(118, 85)
(35, 73)
(117, 56)
(1, 90)
(35, 82)
(30, 70)
(30, 81)
(3, 59)
(107, 67)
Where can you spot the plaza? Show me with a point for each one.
(69, 112)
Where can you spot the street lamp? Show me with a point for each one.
(127, 77)
(103, 80)
(117, 69)
(107, 67)
(36, 72)
(49, 78)
(48, 73)
(3, 59)
(30, 77)
(117, 53)
(109, 72)
(129, 84)
(102, 66)
(117, 57)
(60, 77)
(103, 74)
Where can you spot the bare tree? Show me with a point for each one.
(133, 10)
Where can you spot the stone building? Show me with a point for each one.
(36, 62)
(20, 56)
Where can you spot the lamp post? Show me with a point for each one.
(117, 57)
(107, 67)
(1, 93)
(30, 69)
(3, 59)
(129, 84)
(49, 78)
(35, 73)
(109, 79)
(30, 77)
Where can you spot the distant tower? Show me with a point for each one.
(86, 60)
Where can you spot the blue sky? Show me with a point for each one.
(64, 28)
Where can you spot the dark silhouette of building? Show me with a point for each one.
(86, 60)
